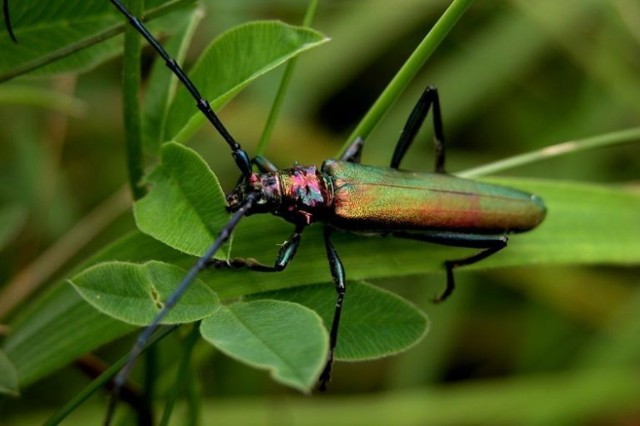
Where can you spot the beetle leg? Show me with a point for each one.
(285, 254)
(428, 99)
(490, 243)
(338, 275)
(493, 247)
(264, 165)
(7, 20)
(352, 154)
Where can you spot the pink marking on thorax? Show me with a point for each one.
(306, 178)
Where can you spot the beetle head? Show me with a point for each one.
(265, 187)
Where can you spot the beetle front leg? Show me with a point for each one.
(264, 165)
(428, 99)
(285, 254)
(490, 243)
(338, 275)
(353, 153)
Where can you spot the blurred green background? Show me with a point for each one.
(534, 345)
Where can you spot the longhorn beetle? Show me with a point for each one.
(345, 195)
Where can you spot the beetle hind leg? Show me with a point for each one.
(496, 245)
(490, 244)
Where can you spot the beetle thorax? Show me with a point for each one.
(300, 195)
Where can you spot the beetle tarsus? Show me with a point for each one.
(325, 376)
(450, 286)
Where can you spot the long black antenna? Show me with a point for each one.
(199, 266)
(241, 158)
(7, 20)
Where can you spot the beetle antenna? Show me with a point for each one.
(242, 159)
(7, 20)
(199, 266)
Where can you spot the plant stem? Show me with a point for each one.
(608, 139)
(131, 108)
(284, 84)
(103, 380)
(183, 373)
(408, 71)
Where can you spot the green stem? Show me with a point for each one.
(193, 396)
(183, 373)
(132, 113)
(284, 84)
(608, 139)
(102, 380)
(408, 71)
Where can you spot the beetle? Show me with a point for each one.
(344, 195)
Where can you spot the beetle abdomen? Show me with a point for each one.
(378, 199)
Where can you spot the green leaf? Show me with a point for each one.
(568, 396)
(247, 52)
(61, 30)
(285, 338)
(136, 293)
(47, 336)
(185, 206)
(8, 377)
(375, 323)
(585, 224)
(598, 225)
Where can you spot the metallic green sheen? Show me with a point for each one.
(383, 200)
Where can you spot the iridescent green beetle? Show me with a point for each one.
(345, 195)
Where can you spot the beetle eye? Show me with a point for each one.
(233, 199)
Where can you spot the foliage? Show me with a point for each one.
(512, 78)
